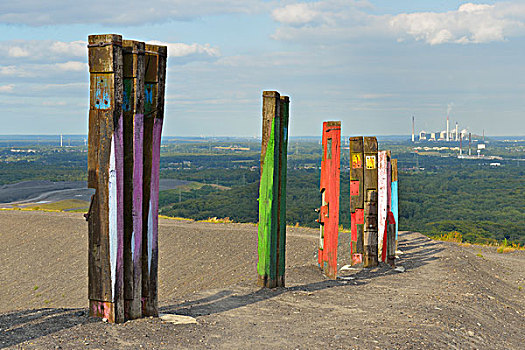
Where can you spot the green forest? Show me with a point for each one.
(484, 204)
(438, 193)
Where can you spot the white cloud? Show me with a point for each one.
(295, 14)
(73, 66)
(182, 50)
(327, 21)
(470, 23)
(6, 88)
(17, 52)
(74, 48)
(13, 71)
(119, 12)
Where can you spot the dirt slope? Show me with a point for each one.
(449, 297)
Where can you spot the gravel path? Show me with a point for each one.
(449, 297)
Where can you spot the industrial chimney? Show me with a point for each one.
(448, 131)
(413, 128)
(456, 131)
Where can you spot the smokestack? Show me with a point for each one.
(460, 146)
(456, 131)
(447, 138)
(60, 140)
(469, 140)
(413, 128)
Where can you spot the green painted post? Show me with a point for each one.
(272, 191)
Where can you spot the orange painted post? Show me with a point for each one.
(356, 199)
(329, 211)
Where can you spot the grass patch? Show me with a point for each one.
(506, 247)
(61, 205)
(216, 220)
(453, 236)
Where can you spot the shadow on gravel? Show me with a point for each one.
(20, 326)
(417, 252)
(229, 300)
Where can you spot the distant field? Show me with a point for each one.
(65, 195)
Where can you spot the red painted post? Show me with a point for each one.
(329, 211)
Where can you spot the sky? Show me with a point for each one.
(371, 64)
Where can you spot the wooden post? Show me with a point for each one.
(356, 199)
(272, 191)
(154, 83)
(391, 239)
(106, 176)
(370, 207)
(382, 196)
(386, 238)
(329, 211)
(395, 205)
(283, 166)
(133, 111)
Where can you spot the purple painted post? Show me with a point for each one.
(155, 82)
(133, 108)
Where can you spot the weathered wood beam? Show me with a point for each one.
(272, 191)
(106, 176)
(395, 203)
(154, 84)
(356, 199)
(133, 111)
(370, 205)
(382, 199)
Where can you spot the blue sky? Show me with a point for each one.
(371, 64)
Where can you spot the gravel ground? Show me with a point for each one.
(450, 296)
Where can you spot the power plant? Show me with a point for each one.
(447, 135)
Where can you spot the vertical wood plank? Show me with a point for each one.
(133, 111)
(395, 204)
(381, 202)
(106, 175)
(329, 188)
(268, 190)
(283, 169)
(155, 80)
(356, 199)
(370, 236)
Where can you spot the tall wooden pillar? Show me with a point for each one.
(382, 198)
(395, 203)
(272, 191)
(154, 84)
(133, 111)
(386, 249)
(356, 199)
(370, 206)
(106, 176)
(329, 211)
